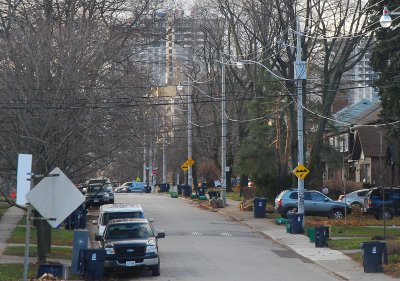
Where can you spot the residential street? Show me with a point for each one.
(205, 245)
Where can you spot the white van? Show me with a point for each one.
(109, 212)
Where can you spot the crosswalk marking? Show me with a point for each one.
(226, 234)
(195, 233)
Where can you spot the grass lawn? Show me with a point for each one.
(56, 252)
(14, 272)
(362, 231)
(60, 237)
(346, 244)
(234, 196)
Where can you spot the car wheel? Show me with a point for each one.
(155, 271)
(356, 205)
(288, 211)
(387, 214)
(337, 214)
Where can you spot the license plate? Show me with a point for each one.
(96, 200)
(130, 263)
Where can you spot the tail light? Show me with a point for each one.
(280, 202)
(369, 203)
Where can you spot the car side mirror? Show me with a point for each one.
(161, 234)
(326, 200)
(98, 237)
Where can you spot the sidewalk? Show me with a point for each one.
(8, 222)
(334, 261)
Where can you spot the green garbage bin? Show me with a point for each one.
(288, 227)
(311, 234)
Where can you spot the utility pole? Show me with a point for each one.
(164, 157)
(223, 133)
(300, 75)
(189, 131)
(144, 164)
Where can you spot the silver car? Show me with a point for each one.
(355, 199)
(315, 204)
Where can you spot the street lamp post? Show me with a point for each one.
(299, 76)
(189, 129)
(223, 134)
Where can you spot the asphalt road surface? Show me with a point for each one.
(205, 245)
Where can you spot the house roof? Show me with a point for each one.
(361, 113)
(371, 142)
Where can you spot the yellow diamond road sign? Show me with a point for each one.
(184, 167)
(190, 162)
(301, 171)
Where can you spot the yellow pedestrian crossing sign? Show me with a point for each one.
(184, 166)
(301, 171)
(190, 162)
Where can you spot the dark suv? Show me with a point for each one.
(383, 203)
(131, 243)
(315, 204)
(98, 192)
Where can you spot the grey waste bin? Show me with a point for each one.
(296, 223)
(259, 207)
(321, 234)
(92, 263)
(374, 253)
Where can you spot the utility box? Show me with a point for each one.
(81, 240)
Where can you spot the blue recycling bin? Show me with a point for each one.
(374, 253)
(296, 223)
(259, 207)
(200, 191)
(321, 234)
(77, 219)
(91, 263)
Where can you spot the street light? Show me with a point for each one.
(299, 76)
(385, 19)
(189, 128)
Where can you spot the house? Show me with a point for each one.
(361, 152)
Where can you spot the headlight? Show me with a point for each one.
(109, 251)
(151, 249)
(106, 195)
(151, 246)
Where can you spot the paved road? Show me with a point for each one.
(204, 245)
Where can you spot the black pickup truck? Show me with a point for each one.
(383, 203)
(131, 244)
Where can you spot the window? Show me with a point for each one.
(315, 196)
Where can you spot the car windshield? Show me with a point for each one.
(129, 231)
(121, 215)
(97, 182)
(95, 188)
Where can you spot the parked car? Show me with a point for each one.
(131, 243)
(110, 212)
(383, 203)
(136, 186)
(123, 188)
(355, 199)
(98, 193)
(315, 204)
